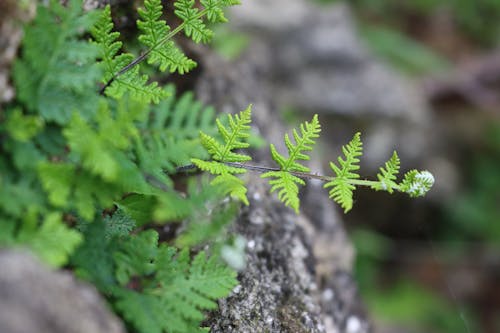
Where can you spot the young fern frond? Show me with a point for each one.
(417, 183)
(131, 81)
(387, 175)
(342, 189)
(155, 33)
(284, 181)
(222, 153)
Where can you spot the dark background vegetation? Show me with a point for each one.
(422, 266)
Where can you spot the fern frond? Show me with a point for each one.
(130, 81)
(342, 190)
(53, 241)
(387, 176)
(109, 45)
(286, 185)
(417, 183)
(232, 185)
(304, 141)
(50, 79)
(176, 290)
(238, 130)
(284, 182)
(135, 84)
(193, 24)
(155, 33)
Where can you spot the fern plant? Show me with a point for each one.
(292, 173)
(87, 175)
(103, 162)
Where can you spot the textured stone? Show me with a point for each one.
(35, 299)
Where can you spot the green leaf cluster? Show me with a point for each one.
(291, 173)
(153, 286)
(85, 175)
(234, 137)
(57, 73)
(342, 189)
(283, 180)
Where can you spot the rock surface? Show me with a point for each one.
(34, 299)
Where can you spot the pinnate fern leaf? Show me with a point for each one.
(388, 174)
(52, 241)
(342, 190)
(112, 62)
(155, 35)
(232, 185)
(239, 130)
(286, 185)
(234, 136)
(174, 289)
(283, 181)
(50, 79)
(193, 24)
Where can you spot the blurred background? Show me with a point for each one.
(421, 77)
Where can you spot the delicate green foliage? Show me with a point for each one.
(233, 186)
(57, 72)
(155, 35)
(239, 130)
(387, 175)
(304, 141)
(206, 228)
(157, 289)
(286, 185)
(86, 174)
(342, 189)
(215, 9)
(53, 241)
(170, 136)
(109, 45)
(23, 127)
(284, 181)
(131, 81)
(417, 183)
(191, 17)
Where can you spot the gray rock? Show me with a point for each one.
(320, 64)
(35, 299)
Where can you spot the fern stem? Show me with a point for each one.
(303, 175)
(143, 56)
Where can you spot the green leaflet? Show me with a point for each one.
(234, 137)
(155, 287)
(155, 35)
(387, 175)
(342, 189)
(112, 62)
(194, 27)
(53, 241)
(284, 181)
